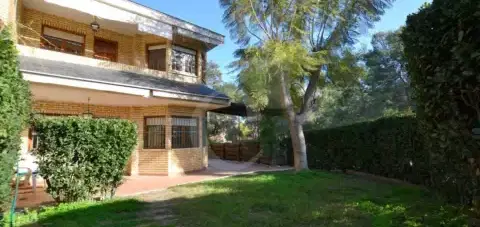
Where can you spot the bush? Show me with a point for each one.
(443, 53)
(385, 147)
(81, 157)
(14, 112)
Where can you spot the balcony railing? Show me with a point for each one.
(81, 60)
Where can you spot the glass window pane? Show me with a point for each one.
(185, 132)
(154, 137)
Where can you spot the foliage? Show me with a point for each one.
(14, 112)
(81, 157)
(222, 127)
(296, 42)
(111, 213)
(262, 67)
(387, 78)
(443, 53)
(386, 147)
(213, 75)
(378, 85)
(310, 198)
(273, 132)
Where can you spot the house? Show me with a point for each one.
(120, 59)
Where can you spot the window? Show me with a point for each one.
(157, 56)
(105, 50)
(184, 132)
(154, 137)
(62, 41)
(184, 60)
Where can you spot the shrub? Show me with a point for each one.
(81, 157)
(443, 53)
(385, 147)
(14, 112)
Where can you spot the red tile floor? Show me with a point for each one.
(136, 185)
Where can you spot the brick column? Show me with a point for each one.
(199, 66)
(168, 56)
(138, 119)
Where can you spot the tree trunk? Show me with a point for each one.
(299, 145)
(296, 129)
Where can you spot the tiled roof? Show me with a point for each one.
(84, 72)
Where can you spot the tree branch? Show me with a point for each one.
(309, 94)
(260, 24)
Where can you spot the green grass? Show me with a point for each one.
(274, 199)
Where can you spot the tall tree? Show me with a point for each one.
(213, 75)
(387, 78)
(289, 45)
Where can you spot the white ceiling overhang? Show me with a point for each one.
(114, 12)
(108, 12)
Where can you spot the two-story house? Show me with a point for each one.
(120, 59)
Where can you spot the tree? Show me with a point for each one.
(14, 112)
(213, 75)
(288, 47)
(221, 126)
(387, 79)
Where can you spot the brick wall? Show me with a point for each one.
(131, 48)
(143, 161)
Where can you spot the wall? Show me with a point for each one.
(131, 48)
(143, 161)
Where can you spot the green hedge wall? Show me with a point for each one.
(386, 147)
(14, 112)
(443, 52)
(82, 157)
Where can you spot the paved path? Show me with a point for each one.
(216, 169)
(137, 185)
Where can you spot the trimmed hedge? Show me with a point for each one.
(14, 112)
(443, 53)
(83, 157)
(385, 147)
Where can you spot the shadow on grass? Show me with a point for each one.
(270, 199)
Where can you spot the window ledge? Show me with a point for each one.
(153, 149)
(184, 73)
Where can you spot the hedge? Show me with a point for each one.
(82, 157)
(443, 53)
(385, 147)
(14, 112)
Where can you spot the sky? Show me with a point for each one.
(208, 14)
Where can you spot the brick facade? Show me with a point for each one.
(132, 49)
(143, 161)
(131, 56)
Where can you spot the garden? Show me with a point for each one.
(416, 162)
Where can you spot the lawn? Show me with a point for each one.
(274, 199)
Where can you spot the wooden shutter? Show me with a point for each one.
(105, 50)
(157, 59)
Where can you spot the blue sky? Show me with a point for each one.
(207, 13)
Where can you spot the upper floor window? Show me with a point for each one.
(105, 50)
(62, 41)
(157, 57)
(184, 60)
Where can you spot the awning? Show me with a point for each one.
(242, 110)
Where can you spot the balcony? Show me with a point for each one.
(55, 32)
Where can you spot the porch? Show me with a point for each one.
(136, 185)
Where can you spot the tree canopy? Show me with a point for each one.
(290, 46)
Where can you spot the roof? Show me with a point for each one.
(84, 72)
